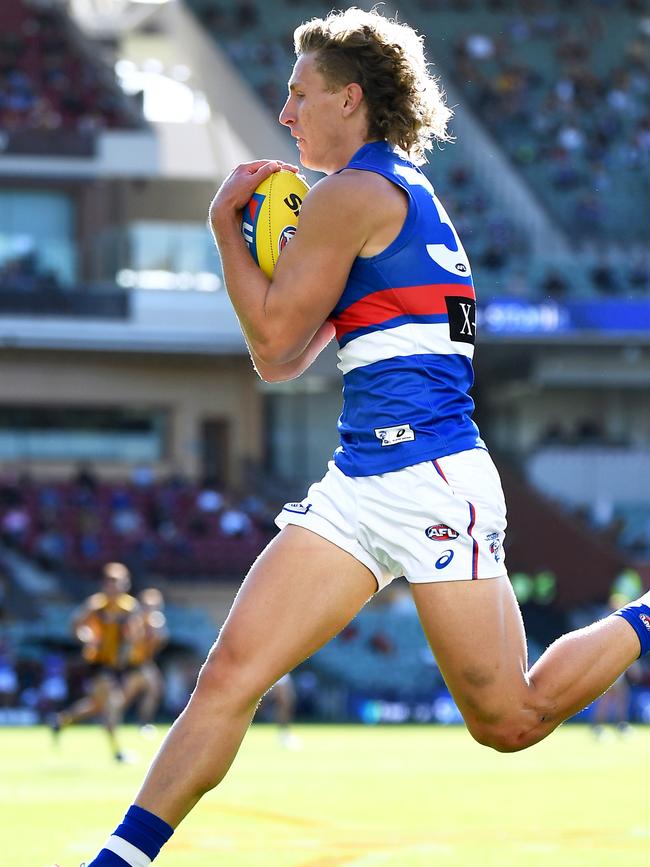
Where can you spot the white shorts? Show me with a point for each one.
(441, 520)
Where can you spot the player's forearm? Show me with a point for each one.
(292, 369)
(246, 285)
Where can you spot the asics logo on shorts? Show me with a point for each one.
(440, 533)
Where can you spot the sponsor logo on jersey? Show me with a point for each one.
(440, 533)
(297, 508)
(495, 545)
(444, 559)
(392, 436)
(285, 236)
(462, 318)
(645, 620)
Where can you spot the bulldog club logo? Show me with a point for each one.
(285, 236)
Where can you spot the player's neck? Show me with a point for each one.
(344, 154)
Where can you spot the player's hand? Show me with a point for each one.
(234, 193)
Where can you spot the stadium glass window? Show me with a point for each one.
(75, 433)
(36, 239)
(164, 255)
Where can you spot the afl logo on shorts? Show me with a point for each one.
(285, 236)
(441, 533)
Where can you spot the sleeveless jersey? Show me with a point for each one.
(108, 619)
(406, 326)
(150, 638)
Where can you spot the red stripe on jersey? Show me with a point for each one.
(385, 304)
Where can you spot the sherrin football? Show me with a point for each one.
(270, 218)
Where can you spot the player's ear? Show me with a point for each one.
(352, 98)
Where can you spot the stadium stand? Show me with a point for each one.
(171, 528)
(565, 96)
(48, 81)
(261, 47)
(565, 90)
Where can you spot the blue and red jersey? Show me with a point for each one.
(406, 326)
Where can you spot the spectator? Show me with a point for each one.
(209, 499)
(8, 678)
(603, 277)
(233, 521)
(15, 525)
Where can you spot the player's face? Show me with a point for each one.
(312, 113)
(114, 586)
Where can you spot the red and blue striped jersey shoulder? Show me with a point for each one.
(406, 325)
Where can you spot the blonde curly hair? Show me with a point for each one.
(405, 104)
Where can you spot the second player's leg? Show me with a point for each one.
(300, 593)
(476, 633)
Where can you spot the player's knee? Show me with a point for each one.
(503, 737)
(510, 729)
(226, 676)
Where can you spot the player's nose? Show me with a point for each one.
(287, 115)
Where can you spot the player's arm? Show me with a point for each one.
(80, 622)
(282, 318)
(157, 623)
(292, 369)
(133, 631)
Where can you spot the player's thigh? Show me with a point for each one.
(133, 684)
(100, 687)
(477, 636)
(300, 592)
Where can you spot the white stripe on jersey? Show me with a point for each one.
(428, 338)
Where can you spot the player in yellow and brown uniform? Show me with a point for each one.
(106, 624)
(143, 680)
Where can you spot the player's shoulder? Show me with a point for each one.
(96, 602)
(353, 194)
(128, 602)
(348, 183)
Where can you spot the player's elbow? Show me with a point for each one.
(273, 352)
(269, 373)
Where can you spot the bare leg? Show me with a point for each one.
(300, 593)
(91, 705)
(152, 694)
(284, 698)
(477, 635)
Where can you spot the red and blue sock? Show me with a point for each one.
(637, 615)
(136, 842)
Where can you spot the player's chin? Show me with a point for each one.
(308, 163)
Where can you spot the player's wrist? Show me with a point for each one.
(224, 220)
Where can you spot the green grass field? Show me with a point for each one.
(354, 796)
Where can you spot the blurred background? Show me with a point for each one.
(132, 427)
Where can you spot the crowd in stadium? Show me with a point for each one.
(540, 82)
(47, 81)
(170, 526)
(540, 76)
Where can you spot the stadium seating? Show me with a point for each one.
(160, 528)
(383, 651)
(261, 47)
(48, 81)
(565, 90)
(564, 95)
